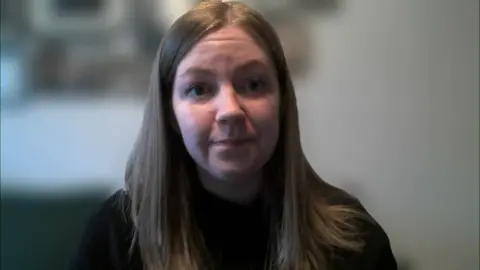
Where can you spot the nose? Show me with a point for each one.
(229, 110)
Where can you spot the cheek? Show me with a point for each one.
(267, 122)
(194, 124)
(265, 117)
(270, 130)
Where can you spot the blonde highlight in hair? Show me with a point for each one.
(305, 228)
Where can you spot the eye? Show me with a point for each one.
(254, 85)
(196, 90)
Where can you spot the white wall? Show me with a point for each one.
(396, 109)
(392, 107)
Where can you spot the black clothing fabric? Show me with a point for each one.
(236, 237)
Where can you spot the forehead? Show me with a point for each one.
(223, 50)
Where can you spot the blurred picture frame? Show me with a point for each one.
(14, 82)
(57, 17)
(165, 12)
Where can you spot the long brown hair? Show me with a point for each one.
(305, 227)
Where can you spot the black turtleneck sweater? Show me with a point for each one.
(235, 235)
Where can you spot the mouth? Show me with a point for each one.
(232, 142)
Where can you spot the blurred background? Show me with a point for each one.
(388, 93)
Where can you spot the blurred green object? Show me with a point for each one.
(42, 232)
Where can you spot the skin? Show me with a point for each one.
(226, 104)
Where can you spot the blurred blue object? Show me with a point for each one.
(14, 73)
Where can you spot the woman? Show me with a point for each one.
(218, 178)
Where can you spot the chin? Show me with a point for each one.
(235, 171)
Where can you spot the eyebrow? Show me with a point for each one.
(254, 63)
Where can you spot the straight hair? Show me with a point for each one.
(306, 229)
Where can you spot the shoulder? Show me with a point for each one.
(376, 252)
(113, 214)
(107, 236)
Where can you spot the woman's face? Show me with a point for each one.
(226, 103)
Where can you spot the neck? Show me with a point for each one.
(242, 189)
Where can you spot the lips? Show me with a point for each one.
(232, 142)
